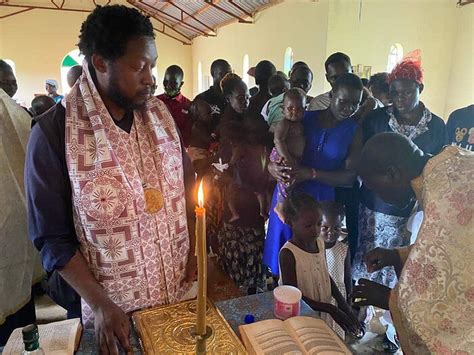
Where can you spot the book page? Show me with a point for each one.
(315, 336)
(58, 338)
(268, 337)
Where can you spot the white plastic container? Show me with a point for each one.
(286, 302)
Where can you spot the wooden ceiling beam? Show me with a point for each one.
(188, 40)
(107, 3)
(240, 19)
(172, 28)
(191, 16)
(162, 31)
(15, 13)
(33, 7)
(178, 22)
(198, 12)
(240, 8)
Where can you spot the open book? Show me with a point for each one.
(58, 338)
(296, 335)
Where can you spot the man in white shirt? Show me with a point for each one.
(337, 63)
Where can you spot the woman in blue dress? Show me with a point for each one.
(333, 144)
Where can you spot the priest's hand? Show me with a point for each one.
(111, 324)
(370, 293)
(379, 258)
(191, 269)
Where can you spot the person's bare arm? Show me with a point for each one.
(348, 277)
(288, 277)
(337, 178)
(201, 138)
(379, 258)
(354, 151)
(368, 105)
(110, 322)
(281, 131)
(279, 172)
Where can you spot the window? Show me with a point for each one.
(288, 61)
(395, 56)
(71, 59)
(207, 82)
(74, 58)
(200, 77)
(245, 69)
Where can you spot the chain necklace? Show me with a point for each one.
(153, 197)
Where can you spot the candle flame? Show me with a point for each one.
(201, 195)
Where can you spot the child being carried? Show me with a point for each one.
(202, 138)
(289, 138)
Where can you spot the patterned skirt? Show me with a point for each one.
(377, 229)
(240, 254)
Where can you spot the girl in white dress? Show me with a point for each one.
(303, 262)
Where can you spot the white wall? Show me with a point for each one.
(300, 25)
(37, 42)
(460, 86)
(429, 25)
(315, 29)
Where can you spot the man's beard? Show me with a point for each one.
(118, 98)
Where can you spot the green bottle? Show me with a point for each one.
(31, 340)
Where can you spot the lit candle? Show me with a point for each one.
(201, 252)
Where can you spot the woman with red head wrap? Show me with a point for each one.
(380, 224)
(406, 84)
(409, 68)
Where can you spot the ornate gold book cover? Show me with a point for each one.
(168, 329)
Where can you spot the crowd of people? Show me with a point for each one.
(311, 192)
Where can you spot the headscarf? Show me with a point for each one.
(52, 82)
(409, 68)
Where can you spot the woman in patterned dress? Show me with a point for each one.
(382, 224)
(240, 242)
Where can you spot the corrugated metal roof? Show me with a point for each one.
(180, 19)
(214, 17)
(196, 18)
